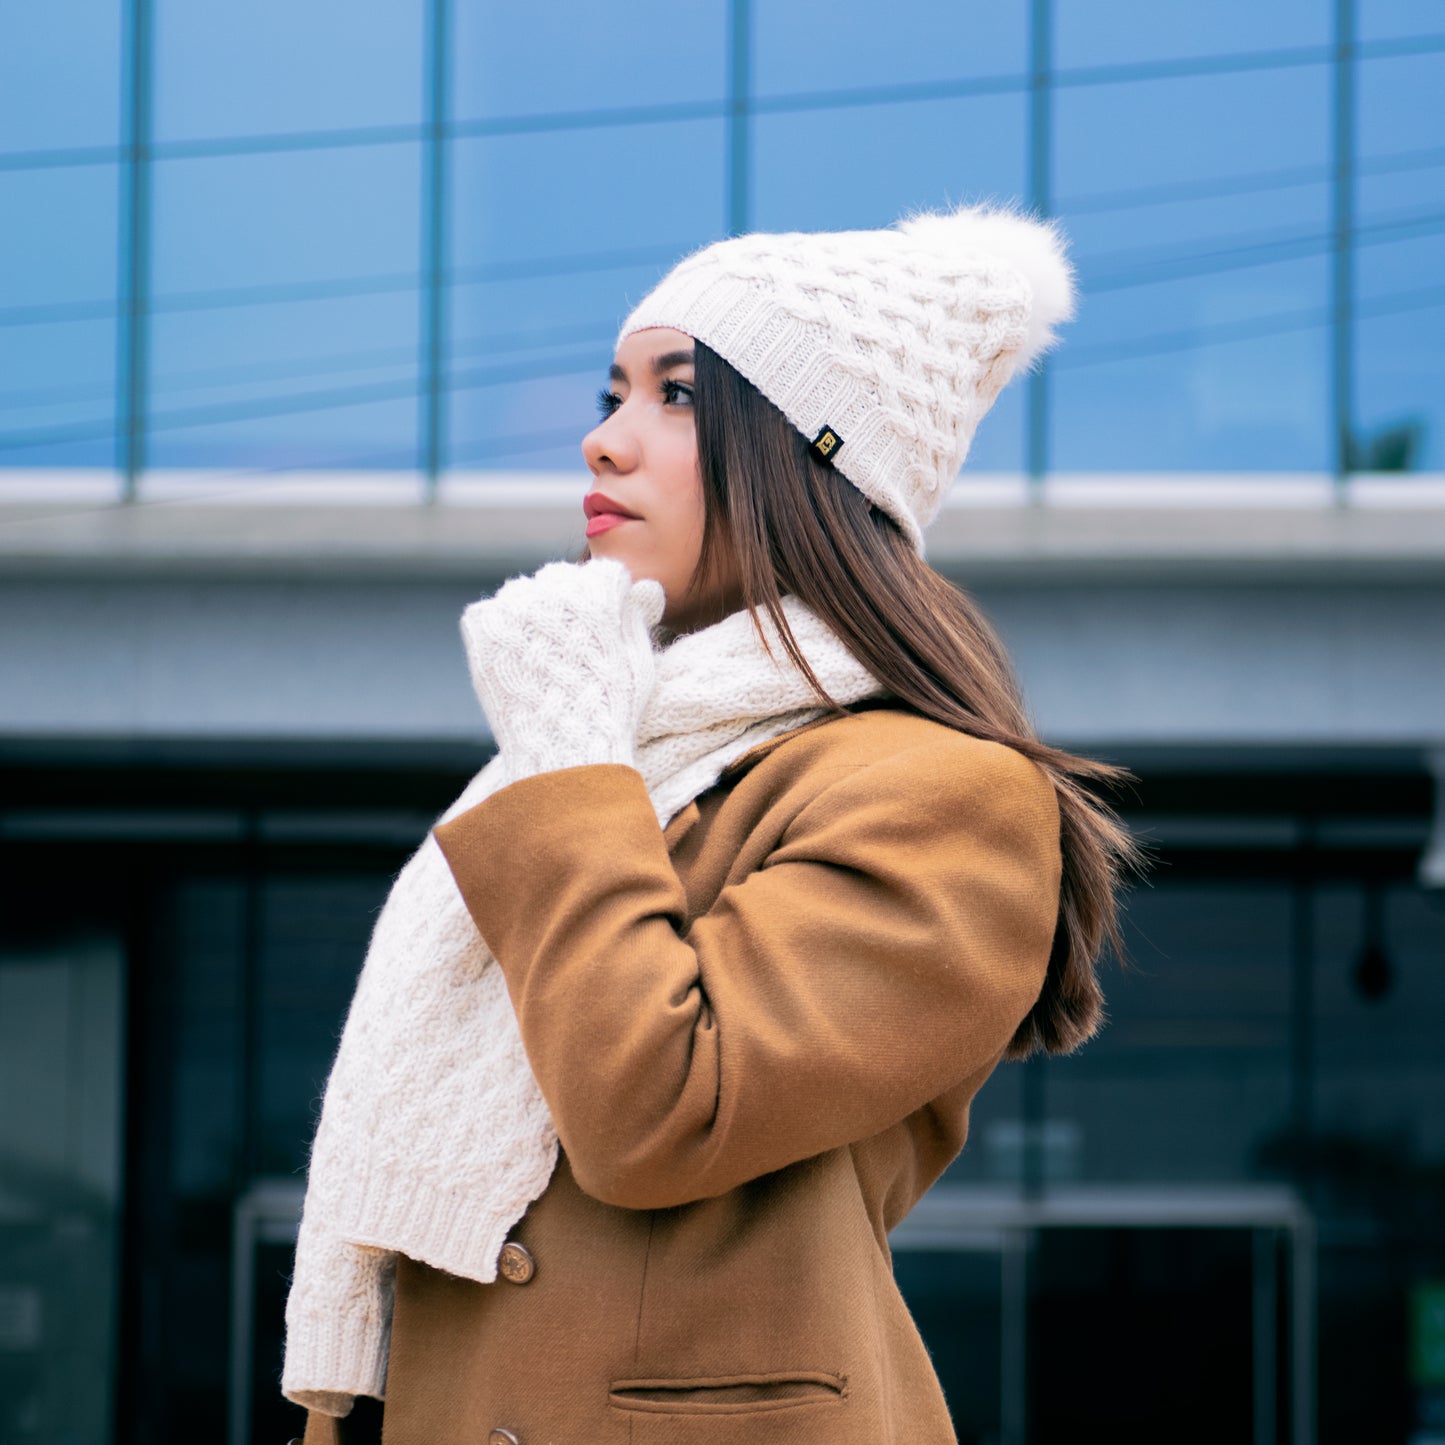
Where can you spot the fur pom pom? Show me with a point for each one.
(1032, 246)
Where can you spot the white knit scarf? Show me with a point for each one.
(434, 1137)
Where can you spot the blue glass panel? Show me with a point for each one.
(864, 166)
(56, 91)
(363, 436)
(1400, 354)
(528, 354)
(513, 60)
(535, 424)
(317, 383)
(57, 401)
(1399, 401)
(604, 189)
(1141, 30)
(1399, 105)
(285, 294)
(1212, 373)
(798, 49)
(1195, 128)
(1397, 19)
(998, 444)
(543, 276)
(1226, 227)
(271, 66)
(1394, 207)
(284, 218)
(1201, 233)
(57, 316)
(64, 251)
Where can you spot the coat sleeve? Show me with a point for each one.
(889, 946)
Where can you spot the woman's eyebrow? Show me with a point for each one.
(662, 363)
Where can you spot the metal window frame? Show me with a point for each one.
(976, 1219)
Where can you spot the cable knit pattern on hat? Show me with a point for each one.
(899, 340)
(433, 1137)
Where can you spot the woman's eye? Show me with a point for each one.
(672, 389)
(607, 401)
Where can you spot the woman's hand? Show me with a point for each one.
(563, 664)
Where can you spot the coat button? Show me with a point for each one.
(502, 1437)
(516, 1263)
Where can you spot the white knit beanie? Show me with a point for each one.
(884, 348)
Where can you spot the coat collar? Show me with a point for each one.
(682, 821)
(756, 754)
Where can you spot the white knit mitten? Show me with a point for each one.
(563, 664)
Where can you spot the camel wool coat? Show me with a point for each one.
(759, 1032)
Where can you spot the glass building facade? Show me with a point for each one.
(400, 237)
(243, 242)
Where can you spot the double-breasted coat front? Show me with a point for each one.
(759, 1031)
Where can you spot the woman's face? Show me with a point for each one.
(646, 505)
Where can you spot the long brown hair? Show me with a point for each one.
(787, 523)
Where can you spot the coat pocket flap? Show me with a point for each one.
(728, 1394)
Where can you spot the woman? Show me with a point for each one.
(681, 1006)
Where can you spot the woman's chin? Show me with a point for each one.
(604, 545)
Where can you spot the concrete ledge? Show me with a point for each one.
(1113, 527)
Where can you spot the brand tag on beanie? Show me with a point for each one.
(826, 445)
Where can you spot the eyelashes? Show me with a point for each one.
(609, 401)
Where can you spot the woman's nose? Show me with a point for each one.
(609, 443)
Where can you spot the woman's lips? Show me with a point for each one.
(603, 514)
(605, 522)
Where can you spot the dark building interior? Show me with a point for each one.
(1218, 1220)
